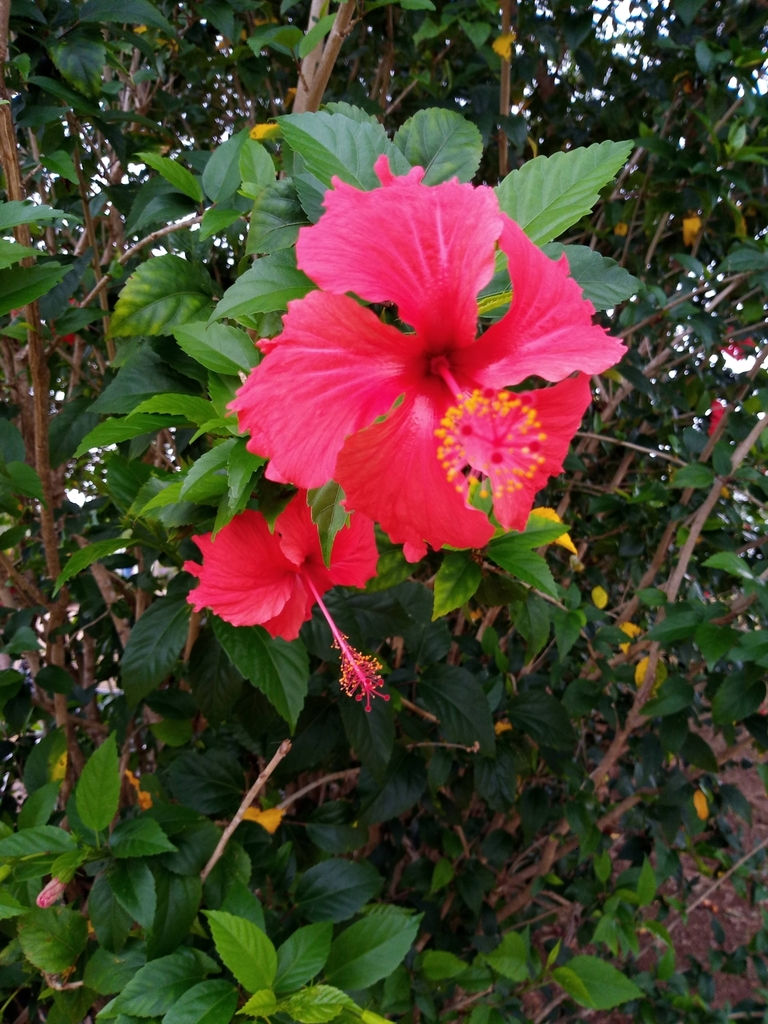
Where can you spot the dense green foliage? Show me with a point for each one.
(519, 833)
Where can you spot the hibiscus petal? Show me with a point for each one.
(245, 578)
(427, 249)
(548, 331)
(354, 556)
(560, 410)
(297, 611)
(390, 473)
(332, 371)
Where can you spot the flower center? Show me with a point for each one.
(359, 672)
(497, 434)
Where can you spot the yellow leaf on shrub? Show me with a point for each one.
(599, 597)
(264, 131)
(642, 667)
(621, 229)
(269, 819)
(701, 805)
(503, 45)
(501, 727)
(632, 631)
(564, 540)
(59, 768)
(691, 227)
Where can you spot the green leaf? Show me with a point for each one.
(328, 515)
(208, 1002)
(81, 61)
(113, 431)
(316, 34)
(12, 252)
(139, 837)
(134, 887)
(193, 409)
(458, 700)
(244, 949)
(510, 554)
(134, 12)
(602, 281)
(255, 164)
(278, 668)
(37, 808)
(16, 212)
(241, 466)
(543, 717)
(178, 901)
(54, 938)
(10, 907)
(40, 839)
(694, 475)
(510, 958)
(216, 221)
(302, 956)
(24, 480)
(156, 641)
(276, 218)
(181, 178)
(60, 163)
(601, 986)
(371, 949)
(159, 985)
(335, 889)
(440, 965)
(87, 556)
(334, 145)
(108, 973)
(211, 783)
(567, 630)
(646, 884)
(261, 1004)
(372, 733)
(456, 581)
(270, 284)
(98, 791)
(163, 293)
(731, 563)
(714, 641)
(316, 1005)
(221, 177)
(211, 463)
(21, 285)
(441, 141)
(550, 193)
(217, 347)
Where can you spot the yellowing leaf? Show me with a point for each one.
(701, 805)
(725, 493)
(59, 768)
(564, 540)
(501, 727)
(621, 229)
(269, 819)
(503, 45)
(691, 228)
(642, 667)
(264, 131)
(599, 597)
(632, 631)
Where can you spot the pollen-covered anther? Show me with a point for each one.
(496, 433)
(359, 674)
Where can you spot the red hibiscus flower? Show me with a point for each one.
(251, 577)
(738, 349)
(396, 417)
(716, 413)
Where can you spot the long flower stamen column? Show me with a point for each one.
(359, 672)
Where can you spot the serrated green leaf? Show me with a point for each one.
(244, 948)
(98, 790)
(328, 515)
(550, 193)
(217, 347)
(155, 643)
(602, 281)
(270, 284)
(208, 1002)
(87, 556)
(139, 837)
(441, 141)
(371, 949)
(181, 178)
(162, 294)
(21, 285)
(600, 985)
(456, 581)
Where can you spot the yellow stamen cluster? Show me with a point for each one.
(496, 433)
(359, 672)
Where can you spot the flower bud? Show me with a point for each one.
(51, 893)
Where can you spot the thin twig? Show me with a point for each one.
(333, 777)
(248, 799)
